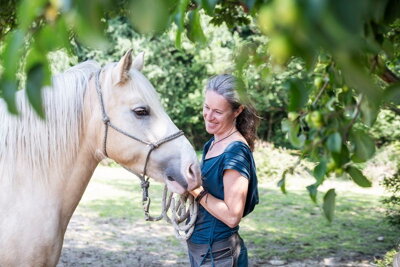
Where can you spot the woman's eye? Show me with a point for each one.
(141, 112)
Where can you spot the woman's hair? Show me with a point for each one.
(247, 122)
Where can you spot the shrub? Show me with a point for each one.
(387, 260)
(392, 185)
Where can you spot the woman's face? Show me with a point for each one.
(218, 114)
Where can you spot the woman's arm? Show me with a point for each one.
(230, 210)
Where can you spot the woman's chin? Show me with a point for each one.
(210, 130)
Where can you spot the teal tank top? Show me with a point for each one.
(237, 156)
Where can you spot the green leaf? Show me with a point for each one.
(178, 39)
(250, 4)
(28, 10)
(53, 36)
(320, 171)
(358, 177)
(209, 6)
(34, 83)
(334, 142)
(150, 16)
(180, 14)
(298, 95)
(286, 125)
(282, 182)
(341, 158)
(297, 141)
(369, 112)
(88, 23)
(12, 54)
(195, 32)
(329, 204)
(292, 128)
(364, 146)
(8, 89)
(313, 190)
(392, 94)
(36, 56)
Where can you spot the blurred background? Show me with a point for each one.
(323, 76)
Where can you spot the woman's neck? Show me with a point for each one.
(220, 136)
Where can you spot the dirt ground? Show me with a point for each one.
(91, 240)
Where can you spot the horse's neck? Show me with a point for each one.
(75, 182)
(77, 175)
(37, 214)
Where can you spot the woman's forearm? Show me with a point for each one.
(218, 208)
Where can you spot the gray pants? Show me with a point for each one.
(228, 252)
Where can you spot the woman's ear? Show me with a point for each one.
(238, 111)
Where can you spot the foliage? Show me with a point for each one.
(273, 161)
(387, 260)
(341, 44)
(386, 128)
(392, 185)
(384, 164)
(348, 53)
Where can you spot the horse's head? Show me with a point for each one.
(138, 122)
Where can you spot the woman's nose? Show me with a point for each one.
(209, 116)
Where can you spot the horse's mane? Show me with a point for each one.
(30, 143)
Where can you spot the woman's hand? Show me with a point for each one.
(195, 192)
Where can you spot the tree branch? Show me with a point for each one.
(383, 71)
(320, 92)
(394, 109)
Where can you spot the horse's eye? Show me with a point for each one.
(141, 111)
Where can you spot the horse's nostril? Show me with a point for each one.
(170, 178)
(191, 173)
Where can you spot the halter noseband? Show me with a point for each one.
(144, 180)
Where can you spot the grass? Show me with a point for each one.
(289, 227)
(126, 207)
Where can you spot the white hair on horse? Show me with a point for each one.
(38, 144)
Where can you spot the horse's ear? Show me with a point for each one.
(120, 72)
(139, 61)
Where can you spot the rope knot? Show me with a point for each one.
(153, 146)
(106, 119)
(145, 184)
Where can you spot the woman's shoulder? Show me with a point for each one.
(238, 146)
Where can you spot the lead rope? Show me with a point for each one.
(182, 219)
(183, 210)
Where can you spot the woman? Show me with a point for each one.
(229, 189)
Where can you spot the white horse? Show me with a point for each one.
(45, 165)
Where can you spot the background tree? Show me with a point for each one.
(329, 66)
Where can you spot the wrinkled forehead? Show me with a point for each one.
(216, 101)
